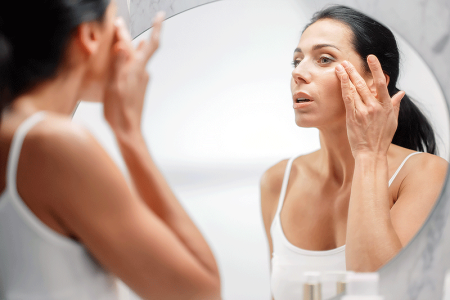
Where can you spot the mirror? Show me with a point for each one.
(213, 130)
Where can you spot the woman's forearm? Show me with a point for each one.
(155, 191)
(371, 239)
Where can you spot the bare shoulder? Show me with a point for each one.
(431, 162)
(272, 179)
(55, 133)
(422, 178)
(426, 166)
(56, 155)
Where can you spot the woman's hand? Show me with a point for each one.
(124, 97)
(371, 117)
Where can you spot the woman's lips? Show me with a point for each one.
(299, 105)
(302, 99)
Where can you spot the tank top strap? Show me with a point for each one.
(16, 147)
(400, 167)
(284, 185)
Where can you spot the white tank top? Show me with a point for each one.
(36, 262)
(290, 262)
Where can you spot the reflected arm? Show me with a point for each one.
(156, 193)
(375, 231)
(371, 239)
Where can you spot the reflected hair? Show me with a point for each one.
(414, 131)
(33, 55)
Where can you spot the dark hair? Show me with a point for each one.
(371, 37)
(33, 39)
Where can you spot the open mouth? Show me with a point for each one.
(301, 100)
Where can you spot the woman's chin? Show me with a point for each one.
(303, 122)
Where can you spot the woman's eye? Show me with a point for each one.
(295, 63)
(325, 60)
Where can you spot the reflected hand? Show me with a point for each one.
(124, 97)
(372, 118)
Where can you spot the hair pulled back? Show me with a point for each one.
(33, 38)
(371, 37)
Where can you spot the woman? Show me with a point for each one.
(69, 222)
(354, 203)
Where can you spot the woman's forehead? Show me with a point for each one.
(326, 31)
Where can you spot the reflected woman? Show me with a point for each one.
(354, 203)
(69, 221)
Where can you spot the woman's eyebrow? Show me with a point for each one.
(316, 47)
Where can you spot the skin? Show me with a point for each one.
(139, 232)
(339, 194)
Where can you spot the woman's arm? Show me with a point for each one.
(123, 110)
(140, 233)
(375, 234)
(371, 239)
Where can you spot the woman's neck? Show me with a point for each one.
(336, 158)
(59, 95)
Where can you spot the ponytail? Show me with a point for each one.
(414, 131)
(5, 62)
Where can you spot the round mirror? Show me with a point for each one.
(219, 113)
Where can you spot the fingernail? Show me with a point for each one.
(371, 58)
(345, 64)
(161, 14)
(339, 68)
(119, 21)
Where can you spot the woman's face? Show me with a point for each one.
(99, 63)
(314, 85)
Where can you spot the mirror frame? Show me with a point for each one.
(417, 272)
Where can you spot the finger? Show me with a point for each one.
(150, 47)
(349, 92)
(378, 78)
(359, 104)
(396, 99)
(123, 36)
(358, 82)
(346, 90)
(117, 68)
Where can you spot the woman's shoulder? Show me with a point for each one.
(272, 179)
(422, 162)
(423, 170)
(55, 146)
(431, 164)
(59, 135)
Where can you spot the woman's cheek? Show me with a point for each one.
(330, 83)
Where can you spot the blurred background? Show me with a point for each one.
(218, 113)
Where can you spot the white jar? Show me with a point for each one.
(362, 286)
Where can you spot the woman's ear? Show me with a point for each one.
(371, 84)
(88, 37)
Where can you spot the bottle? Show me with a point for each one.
(333, 283)
(312, 289)
(362, 286)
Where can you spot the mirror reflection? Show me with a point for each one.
(219, 115)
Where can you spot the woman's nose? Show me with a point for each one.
(300, 74)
